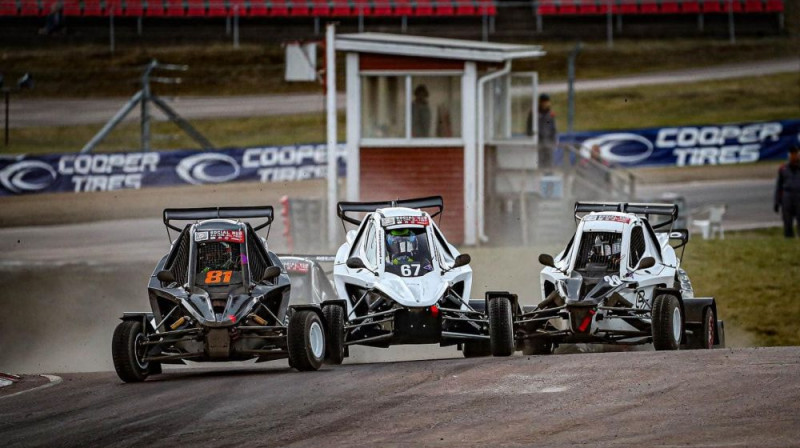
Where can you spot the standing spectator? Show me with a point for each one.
(55, 19)
(547, 131)
(787, 192)
(420, 113)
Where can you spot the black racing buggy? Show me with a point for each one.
(219, 295)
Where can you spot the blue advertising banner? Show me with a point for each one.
(677, 146)
(135, 170)
(690, 145)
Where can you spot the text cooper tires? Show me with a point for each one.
(306, 341)
(128, 352)
(501, 327)
(334, 322)
(667, 322)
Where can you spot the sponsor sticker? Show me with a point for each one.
(405, 220)
(607, 218)
(200, 236)
(297, 267)
(228, 236)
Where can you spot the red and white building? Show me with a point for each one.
(421, 112)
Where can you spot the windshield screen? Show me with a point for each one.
(599, 251)
(407, 252)
(218, 263)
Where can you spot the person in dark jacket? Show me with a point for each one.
(547, 131)
(787, 192)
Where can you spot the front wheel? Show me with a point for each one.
(306, 341)
(667, 323)
(334, 321)
(128, 351)
(501, 327)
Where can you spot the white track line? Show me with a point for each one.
(53, 381)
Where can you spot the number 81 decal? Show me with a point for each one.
(214, 277)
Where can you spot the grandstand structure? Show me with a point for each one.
(379, 8)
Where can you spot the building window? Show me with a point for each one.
(383, 104)
(411, 107)
(436, 107)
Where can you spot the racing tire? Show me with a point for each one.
(477, 349)
(334, 321)
(127, 352)
(667, 322)
(501, 327)
(720, 334)
(707, 333)
(306, 341)
(536, 347)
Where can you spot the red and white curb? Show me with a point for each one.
(52, 381)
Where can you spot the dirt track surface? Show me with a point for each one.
(721, 398)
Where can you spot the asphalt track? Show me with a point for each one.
(61, 112)
(744, 397)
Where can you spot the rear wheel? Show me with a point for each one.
(306, 341)
(536, 347)
(476, 349)
(667, 323)
(128, 351)
(334, 321)
(501, 327)
(706, 333)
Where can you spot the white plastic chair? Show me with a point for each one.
(709, 227)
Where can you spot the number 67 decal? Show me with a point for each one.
(405, 269)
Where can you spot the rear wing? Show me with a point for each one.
(343, 208)
(646, 209)
(197, 214)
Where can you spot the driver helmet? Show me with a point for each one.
(217, 255)
(401, 241)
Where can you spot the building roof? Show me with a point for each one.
(405, 45)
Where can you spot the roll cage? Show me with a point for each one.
(343, 208)
(181, 260)
(265, 212)
(643, 209)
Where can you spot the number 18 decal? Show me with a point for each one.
(406, 269)
(213, 277)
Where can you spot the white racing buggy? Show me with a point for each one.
(219, 294)
(403, 283)
(619, 281)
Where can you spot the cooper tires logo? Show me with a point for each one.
(208, 169)
(620, 147)
(27, 176)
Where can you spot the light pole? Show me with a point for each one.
(26, 82)
(571, 85)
